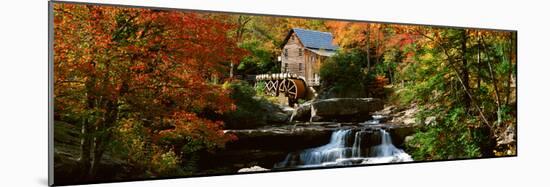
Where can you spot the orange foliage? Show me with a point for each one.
(157, 65)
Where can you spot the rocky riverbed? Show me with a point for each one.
(269, 145)
(353, 128)
(313, 125)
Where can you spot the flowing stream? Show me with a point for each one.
(349, 147)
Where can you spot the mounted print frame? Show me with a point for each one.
(140, 93)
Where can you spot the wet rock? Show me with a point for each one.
(269, 146)
(400, 132)
(288, 137)
(256, 113)
(252, 169)
(389, 109)
(277, 117)
(277, 113)
(344, 109)
(374, 138)
(302, 112)
(287, 110)
(380, 118)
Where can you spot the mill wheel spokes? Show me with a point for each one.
(282, 86)
(295, 89)
(292, 90)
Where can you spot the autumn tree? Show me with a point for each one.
(122, 67)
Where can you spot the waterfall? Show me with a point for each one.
(357, 144)
(292, 116)
(386, 148)
(347, 147)
(387, 152)
(337, 148)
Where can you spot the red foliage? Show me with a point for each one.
(158, 65)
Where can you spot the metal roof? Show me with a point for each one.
(314, 39)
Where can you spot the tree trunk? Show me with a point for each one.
(87, 128)
(478, 63)
(367, 33)
(103, 136)
(377, 46)
(85, 148)
(231, 70)
(459, 76)
(465, 73)
(242, 21)
(495, 86)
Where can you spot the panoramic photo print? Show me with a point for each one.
(143, 93)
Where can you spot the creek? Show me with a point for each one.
(350, 146)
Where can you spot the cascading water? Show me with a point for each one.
(374, 121)
(387, 152)
(348, 147)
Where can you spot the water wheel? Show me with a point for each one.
(294, 89)
(282, 87)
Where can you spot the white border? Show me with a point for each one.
(24, 112)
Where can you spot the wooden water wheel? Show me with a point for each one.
(294, 89)
(282, 87)
(292, 86)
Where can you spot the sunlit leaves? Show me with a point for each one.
(153, 69)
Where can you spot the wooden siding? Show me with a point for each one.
(291, 58)
(306, 65)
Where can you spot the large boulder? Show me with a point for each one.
(274, 113)
(257, 113)
(302, 112)
(269, 145)
(400, 132)
(407, 116)
(288, 137)
(265, 146)
(344, 109)
(277, 114)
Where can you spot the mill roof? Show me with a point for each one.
(313, 39)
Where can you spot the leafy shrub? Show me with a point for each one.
(166, 164)
(259, 88)
(453, 136)
(131, 143)
(251, 110)
(342, 76)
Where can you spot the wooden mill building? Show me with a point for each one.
(303, 51)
